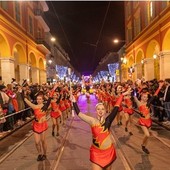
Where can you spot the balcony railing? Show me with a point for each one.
(43, 42)
(39, 14)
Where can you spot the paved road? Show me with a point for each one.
(70, 151)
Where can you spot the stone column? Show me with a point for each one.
(7, 70)
(43, 77)
(24, 72)
(137, 71)
(35, 75)
(149, 69)
(164, 64)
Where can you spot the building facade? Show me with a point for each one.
(147, 27)
(58, 56)
(22, 47)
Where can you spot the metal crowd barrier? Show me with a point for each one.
(4, 117)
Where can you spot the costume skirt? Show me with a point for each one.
(129, 111)
(101, 157)
(39, 127)
(55, 114)
(145, 122)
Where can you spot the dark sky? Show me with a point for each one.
(85, 30)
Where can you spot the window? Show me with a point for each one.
(17, 12)
(129, 35)
(146, 18)
(4, 5)
(30, 20)
(135, 4)
(128, 11)
(39, 33)
(129, 32)
(151, 10)
(137, 23)
(137, 26)
(164, 4)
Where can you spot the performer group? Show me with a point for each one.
(116, 101)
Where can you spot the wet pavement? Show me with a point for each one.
(70, 151)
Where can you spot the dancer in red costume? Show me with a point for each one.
(55, 113)
(128, 112)
(145, 120)
(118, 92)
(62, 107)
(102, 151)
(40, 124)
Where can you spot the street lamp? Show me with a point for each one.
(50, 61)
(53, 39)
(116, 41)
(155, 56)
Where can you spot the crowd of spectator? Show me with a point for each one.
(14, 112)
(12, 100)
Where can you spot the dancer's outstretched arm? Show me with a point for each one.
(82, 116)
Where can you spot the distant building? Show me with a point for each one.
(147, 26)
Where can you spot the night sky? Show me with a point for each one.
(85, 30)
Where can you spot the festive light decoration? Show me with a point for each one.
(96, 79)
(74, 77)
(62, 71)
(72, 73)
(112, 69)
(69, 71)
(77, 79)
(99, 76)
(104, 74)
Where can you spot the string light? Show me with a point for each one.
(104, 74)
(62, 71)
(112, 69)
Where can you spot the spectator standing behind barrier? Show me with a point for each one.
(12, 96)
(166, 99)
(2, 120)
(21, 104)
(27, 91)
(4, 102)
(4, 99)
(13, 104)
